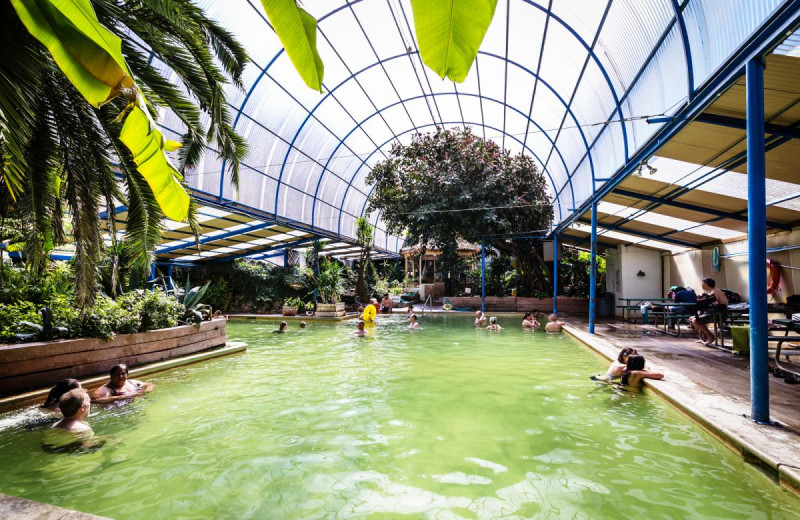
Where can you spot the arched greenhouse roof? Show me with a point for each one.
(590, 89)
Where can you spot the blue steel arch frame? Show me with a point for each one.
(567, 107)
(364, 161)
(590, 51)
(515, 138)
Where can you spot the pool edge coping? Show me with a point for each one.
(726, 419)
(16, 401)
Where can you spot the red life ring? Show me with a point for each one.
(775, 276)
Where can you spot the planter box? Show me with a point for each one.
(330, 309)
(566, 304)
(289, 311)
(42, 364)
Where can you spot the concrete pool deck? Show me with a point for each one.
(713, 388)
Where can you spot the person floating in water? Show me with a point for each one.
(530, 321)
(617, 366)
(281, 328)
(360, 328)
(72, 432)
(480, 319)
(61, 388)
(553, 325)
(302, 324)
(414, 323)
(634, 372)
(120, 387)
(493, 324)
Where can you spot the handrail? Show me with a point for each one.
(430, 305)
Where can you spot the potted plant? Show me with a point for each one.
(309, 308)
(290, 306)
(329, 286)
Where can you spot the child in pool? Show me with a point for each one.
(616, 368)
(414, 323)
(635, 372)
(71, 432)
(530, 321)
(360, 328)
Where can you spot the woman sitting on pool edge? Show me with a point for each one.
(120, 387)
(635, 372)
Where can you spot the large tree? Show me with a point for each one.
(62, 154)
(452, 183)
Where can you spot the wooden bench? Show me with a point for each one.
(667, 315)
(791, 376)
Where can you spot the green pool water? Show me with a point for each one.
(445, 422)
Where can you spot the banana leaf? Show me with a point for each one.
(449, 33)
(146, 143)
(86, 52)
(297, 31)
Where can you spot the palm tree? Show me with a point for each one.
(364, 236)
(60, 155)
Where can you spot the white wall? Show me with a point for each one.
(687, 269)
(622, 267)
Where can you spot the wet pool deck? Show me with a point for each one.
(712, 387)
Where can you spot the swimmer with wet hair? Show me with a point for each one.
(493, 324)
(635, 372)
(302, 324)
(120, 387)
(360, 328)
(61, 388)
(414, 323)
(530, 321)
(281, 328)
(617, 366)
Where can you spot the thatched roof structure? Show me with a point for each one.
(464, 248)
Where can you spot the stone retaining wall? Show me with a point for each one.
(34, 365)
(514, 304)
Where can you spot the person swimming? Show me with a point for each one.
(493, 324)
(302, 324)
(120, 387)
(617, 366)
(61, 388)
(281, 328)
(634, 372)
(414, 323)
(360, 328)
(72, 432)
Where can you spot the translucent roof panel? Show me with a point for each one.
(569, 83)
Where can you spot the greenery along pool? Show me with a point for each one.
(445, 422)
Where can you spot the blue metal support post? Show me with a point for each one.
(483, 275)
(152, 270)
(169, 277)
(757, 242)
(593, 272)
(555, 273)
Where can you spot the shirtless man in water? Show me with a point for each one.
(120, 387)
(480, 319)
(553, 325)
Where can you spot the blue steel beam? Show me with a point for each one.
(364, 161)
(222, 236)
(260, 250)
(693, 207)
(555, 273)
(575, 91)
(483, 275)
(687, 48)
(593, 270)
(641, 234)
(757, 242)
(538, 66)
(791, 132)
(332, 155)
(580, 240)
(772, 31)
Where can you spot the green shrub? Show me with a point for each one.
(11, 314)
(159, 311)
(65, 314)
(218, 295)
